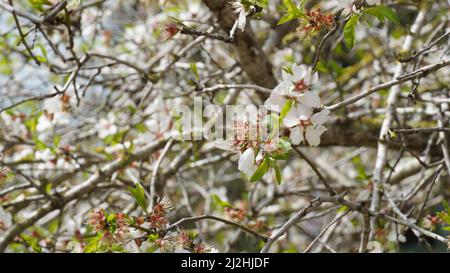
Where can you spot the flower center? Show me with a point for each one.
(300, 86)
(305, 123)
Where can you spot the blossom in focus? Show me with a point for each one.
(250, 142)
(297, 87)
(304, 127)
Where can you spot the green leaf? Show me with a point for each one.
(220, 202)
(349, 31)
(33, 242)
(194, 70)
(286, 108)
(277, 171)
(342, 209)
(139, 195)
(261, 171)
(48, 188)
(39, 145)
(293, 12)
(392, 134)
(291, 7)
(382, 13)
(286, 18)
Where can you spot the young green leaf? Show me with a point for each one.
(261, 171)
(349, 31)
(286, 108)
(220, 202)
(382, 13)
(139, 195)
(277, 171)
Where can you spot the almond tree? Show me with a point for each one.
(345, 149)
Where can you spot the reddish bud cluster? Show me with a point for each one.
(315, 21)
(157, 218)
(97, 219)
(168, 30)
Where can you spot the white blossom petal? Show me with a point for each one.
(310, 99)
(313, 134)
(297, 135)
(321, 117)
(275, 102)
(303, 112)
(291, 119)
(246, 162)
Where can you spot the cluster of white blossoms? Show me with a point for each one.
(304, 119)
(295, 108)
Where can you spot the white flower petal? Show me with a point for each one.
(321, 117)
(291, 119)
(303, 112)
(313, 134)
(275, 102)
(299, 71)
(246, 162)
(297, 135)
(310, 99)
(283, 88)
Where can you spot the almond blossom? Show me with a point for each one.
(296, 87)
(306, 126)
(252, 141)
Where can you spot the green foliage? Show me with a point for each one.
(220, 202)
(349, 31)
(139, 195)
(39, 4)
(292, 12)
(261, 170)
(32, 241)
(382, 12)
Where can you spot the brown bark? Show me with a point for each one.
(250, 54)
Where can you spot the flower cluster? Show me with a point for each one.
(157, 218)
(314, 21)
(117, 232)
(295, 108)
(304, 119)
(256, 139)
